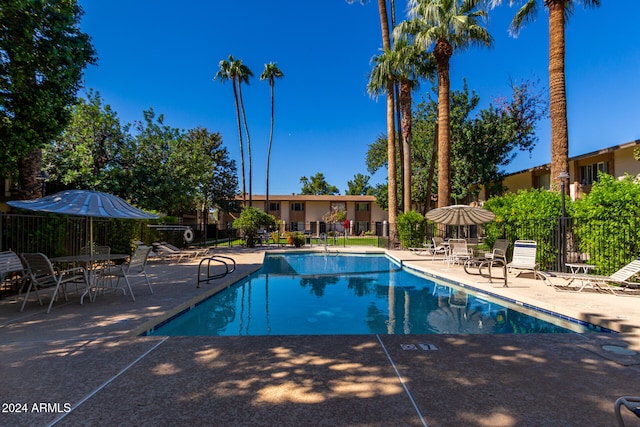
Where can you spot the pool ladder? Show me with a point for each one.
(217, 260)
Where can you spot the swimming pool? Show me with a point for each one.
(329, 294)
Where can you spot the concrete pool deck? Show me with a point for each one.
(90, 359)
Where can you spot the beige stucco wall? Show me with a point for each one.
(315, 210)
(518, 181)
(625, 162)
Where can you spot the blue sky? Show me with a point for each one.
(163, 54)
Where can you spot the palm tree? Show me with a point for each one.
(559, 11)
(407, 65)
(391, 127)
(227, 71)
(242, 73)
(271, 72)
(447, 25)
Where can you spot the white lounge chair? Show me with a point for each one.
(524, 257)
(169, 252)
(621, 278)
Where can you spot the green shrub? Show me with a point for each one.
(607, 227)
(298, 239)
(411, 229)
(250, 221)
(528, 215)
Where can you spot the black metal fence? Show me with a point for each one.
(57, 235)
(606, 243)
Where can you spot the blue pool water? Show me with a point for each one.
(321, 294)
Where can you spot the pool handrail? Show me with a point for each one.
(209, 260)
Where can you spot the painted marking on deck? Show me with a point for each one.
(412, 347)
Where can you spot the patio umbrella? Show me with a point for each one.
(460, 215)
(87, 203)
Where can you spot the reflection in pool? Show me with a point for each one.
(322, 294)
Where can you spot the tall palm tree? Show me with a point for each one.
(407, 64)
(447, 26)
(559, 12)
(391, 126)
(242, 73)
(270, 73)
(227, 71)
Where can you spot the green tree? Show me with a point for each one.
(271, 73)
(447, 25)
(83, 155)
(250, 221)
(215, 178)
(359, 185)
(233, 70)
(482, 145)
(317, 185)
(559, 11)
(42, 55)
(149, 172)
(483, 142)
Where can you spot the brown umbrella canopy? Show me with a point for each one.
(460, 215)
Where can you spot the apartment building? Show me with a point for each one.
(300, 212)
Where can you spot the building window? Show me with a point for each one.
(589, 173)
(338, 206)
(274, 206)
(362, 207)
(362, 227)
(541, 181)
(297, 206)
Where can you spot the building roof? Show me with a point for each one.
(310, 198)
(581, 156)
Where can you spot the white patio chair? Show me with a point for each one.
(499, 250)
(439, 248)
(43, 275)
(12, 272)
(458, 251)
(135, 267)
(524, 257)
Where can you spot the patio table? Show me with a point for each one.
(90, 262)
(580, 268)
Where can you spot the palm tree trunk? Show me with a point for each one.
(391, 138)
(270, 140)
(246, 130)
(442, 53)
(399, 143)
(405, 107)
(28, 170)
(557, 93)
(432, 167)
(244, 188)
